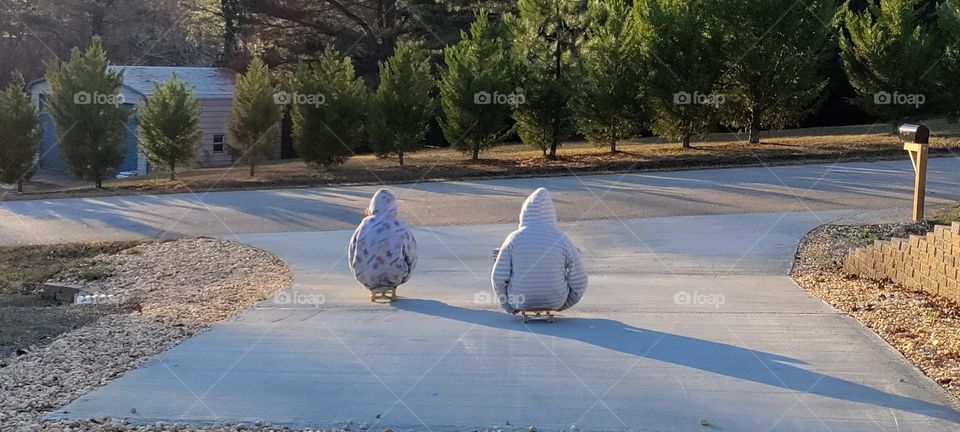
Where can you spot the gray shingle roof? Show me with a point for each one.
(206, 82)
(210, 82)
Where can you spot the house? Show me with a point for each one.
(212, 86)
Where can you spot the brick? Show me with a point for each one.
(900, 244)
(955, 228)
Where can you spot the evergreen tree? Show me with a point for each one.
(478, 67)
(775, 59)
(546, 34)
(21, 130)
(948, 99)
(169, 130)
(88, 113)
(254, 125)
(330, 109)
(403, 103)
(890, 58)
(683, 60)
(607, 103)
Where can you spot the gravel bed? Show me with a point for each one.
(165, 292)
(923, 327)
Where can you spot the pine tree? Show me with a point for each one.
(21, 130)
(948, 99)
(682, 57)
(546, 34)
(776, 54)
(88, 115)
(478, 70)
(254, 125)
(890, 58)
(403, 103)
(607, 103)
(329, 110)
(169, 130)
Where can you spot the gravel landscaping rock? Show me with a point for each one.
(165, 292)
(923, 327)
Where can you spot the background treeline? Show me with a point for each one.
(604, 69)
(226, 32)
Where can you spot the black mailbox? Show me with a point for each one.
(915, 134)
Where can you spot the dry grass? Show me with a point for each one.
(720, 150)
(25, 268)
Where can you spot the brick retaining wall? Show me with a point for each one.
(930, 263)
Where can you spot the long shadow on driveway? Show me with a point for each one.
(720, 358)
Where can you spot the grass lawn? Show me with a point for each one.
(26, 318)
(26, 268)
(849, 143)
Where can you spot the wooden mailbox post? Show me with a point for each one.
(916, 141)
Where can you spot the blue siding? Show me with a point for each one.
(49, 151)
(51, 159)
(130, 155)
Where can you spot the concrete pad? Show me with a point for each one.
(686, 318)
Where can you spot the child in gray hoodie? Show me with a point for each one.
(538, 267)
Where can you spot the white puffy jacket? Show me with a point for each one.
(538, 266)
(382, 251)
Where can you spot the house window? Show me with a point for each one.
(218, 143)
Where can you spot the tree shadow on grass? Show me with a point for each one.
(715, 357)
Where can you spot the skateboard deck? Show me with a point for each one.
(383, 294)
(538, 314)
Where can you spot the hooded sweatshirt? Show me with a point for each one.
(538, 266)
(382, 250)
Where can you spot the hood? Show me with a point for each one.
(538, 209)
(384, 204)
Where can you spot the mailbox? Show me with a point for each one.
(916, 141)
(914, 134)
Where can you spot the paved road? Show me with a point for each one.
(881, 185)
(686, 318)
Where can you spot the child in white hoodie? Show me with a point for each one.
(538, 266)
(382, 251)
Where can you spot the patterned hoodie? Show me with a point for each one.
(382, 251)
(538, 266)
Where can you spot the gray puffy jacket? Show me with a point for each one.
(538, 266)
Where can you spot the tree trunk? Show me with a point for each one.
(685, 142)
(476, 152)
(754, 129)
(98, 183)
(173, 172)
(558, 75)
(613, 146)
(401, 158)
(20, 186)
(253, 169)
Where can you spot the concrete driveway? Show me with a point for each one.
(880, 185)
(687, 319)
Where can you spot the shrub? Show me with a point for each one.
(328, 124)
(254, 125)
(403, 103)
(88, 113)
(170, 125)
(20, 129)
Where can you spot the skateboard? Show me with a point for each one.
(538, 314)
(388, 294)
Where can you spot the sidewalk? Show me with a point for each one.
(686, 319)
